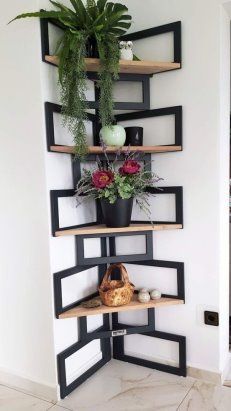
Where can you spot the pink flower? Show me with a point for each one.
(130, 167)
(101, 179)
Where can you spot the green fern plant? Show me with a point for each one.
(100, 19)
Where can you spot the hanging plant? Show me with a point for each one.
(99, 23)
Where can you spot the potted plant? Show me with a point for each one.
(117, 186)
(93, 29)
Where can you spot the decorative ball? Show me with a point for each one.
(155, 294)
(113, 135)
(144, 296)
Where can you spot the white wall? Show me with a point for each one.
(201, 87)
(27, 347)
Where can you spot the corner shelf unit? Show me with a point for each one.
(138, 71)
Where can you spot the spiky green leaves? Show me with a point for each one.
(73, 88)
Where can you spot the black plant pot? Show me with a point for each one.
(92, 48)
(117, 214)
(134, 136)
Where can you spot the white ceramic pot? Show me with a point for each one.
(144, 296)
(155, 294)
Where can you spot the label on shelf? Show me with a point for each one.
(118, 333)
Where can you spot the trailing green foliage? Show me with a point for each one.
(105, 21)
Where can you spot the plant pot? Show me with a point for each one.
(92, 48)
(113, 135)
(134, 136)
(117, 214)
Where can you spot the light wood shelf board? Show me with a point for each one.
(113, 149)
(130, 67)
(132, 306)
(102, 229)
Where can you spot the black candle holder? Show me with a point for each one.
(134, 136)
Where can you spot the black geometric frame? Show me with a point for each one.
(56, 194)
(58, 277)
(108, 254)
(118, 331)
(174, 28)
(51, 108)
(166, 111)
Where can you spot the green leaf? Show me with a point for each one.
(126, 17)
(123, 25)
(62, 7)
(101, 5)
(41, 14)
(117, 32)
(74, 4)
(81, 10)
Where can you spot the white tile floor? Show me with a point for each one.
(125, 387)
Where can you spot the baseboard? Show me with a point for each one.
(205, 375)
(28, 386)
(92, 361)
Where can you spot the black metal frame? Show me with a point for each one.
(51, 108)
(59, 276)
(112, 257)
(179, 267)
(166, 111)
(143, 34)
(61, 358)
(119, 353)
(56, 194)
(108, 242)
(118, 333)
(156, 31)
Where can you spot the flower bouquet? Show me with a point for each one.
(116, 185)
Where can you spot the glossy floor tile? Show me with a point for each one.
(124, 387)
(207, 397)
(12, 400)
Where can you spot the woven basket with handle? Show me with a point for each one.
(114, 293)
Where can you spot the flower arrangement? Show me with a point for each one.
(113, 182)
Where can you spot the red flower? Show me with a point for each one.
(102, 179)
(130, 167)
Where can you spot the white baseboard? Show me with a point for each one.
(205, 375)
(92, 361)
(28, 386)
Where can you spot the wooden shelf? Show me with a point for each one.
(129, 67)
(132, 306)
(102, 229)
(113, 149)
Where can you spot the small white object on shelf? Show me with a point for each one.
(126, 52)
(155, 294)
(143, 296)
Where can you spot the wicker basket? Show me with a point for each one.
(114, 293)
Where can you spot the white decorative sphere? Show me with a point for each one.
(155, 294)
(144, 296)
(113, 135)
